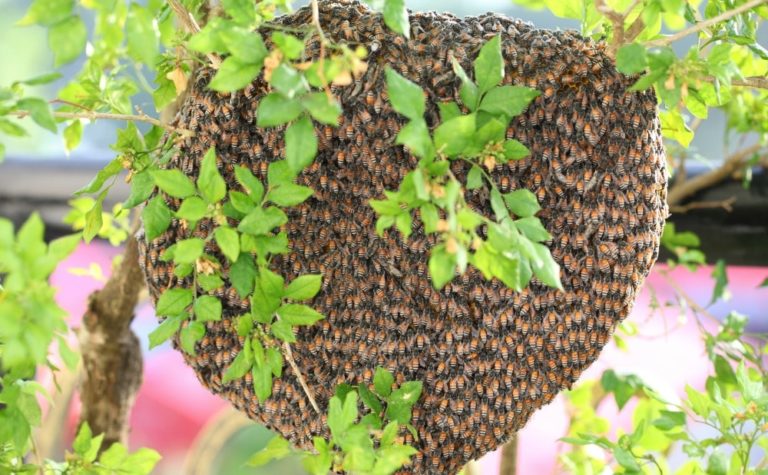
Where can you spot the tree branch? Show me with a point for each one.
(705, 24)
(107, 116)
(687, 188)
(756, 82)
(509, 457)
(190, 24)
(725, 204)
(111, 352)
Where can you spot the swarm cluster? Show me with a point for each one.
(488, 356)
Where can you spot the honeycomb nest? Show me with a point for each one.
(488, 356)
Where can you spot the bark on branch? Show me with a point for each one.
(111, 351)
(690, 187)
(509, 457)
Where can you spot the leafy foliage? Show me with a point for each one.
(513, 250)
(370, 443)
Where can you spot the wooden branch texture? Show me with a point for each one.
(111, 351)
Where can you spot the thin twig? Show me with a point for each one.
(705, 24)
(299, 376)
(727, 205)
(687, 188)
(190, 24)
(323, 41)
(756, 82)
(109, 116)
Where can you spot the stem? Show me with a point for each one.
(299, 376)
(756, 82)
(323, 41)
(706, 24)
(190, 24)
(108, 116)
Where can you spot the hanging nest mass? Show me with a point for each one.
(488, 356)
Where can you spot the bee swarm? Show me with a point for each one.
(488, 356)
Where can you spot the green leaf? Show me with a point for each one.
(509, 101)
(626, 459)
(297, 314)
(489, 65)
(207, 282)
(545, 268)
(275, 361)
(82, 442)
(408, 393)
(415, 136)
(283, 330)
(469, 93)
(67, 39)
(245, 45)
(383, 381)
(290, 46)
(207, 309)
(174, 182)
(242, 274)
(304, 287)
(369, 399)
(241, 11)
(73, 133)
(187, 251)
(40, 112)
(514, 150)
(322, 108)
(532, 228)
(228, 241)
(192, 209)
(234, 74)
(277, 448)
(289, 194)
(164, 331)
(141, 35)
(210, 183)
(300, 144)
(93, 219)
(156, 217)
(522, 203)
(288, 81)
(262, 381)
(113, 168)
(190, 335)
(10, 128)
(631, 59)
(448, 110)
(396, 17)
(240, 365)
(47, 12)
(669, 420)
(406, 97)
(720, 275)
(262, 221)
(276, 109)
(142, 186)
(174, 302)
(474, 178)
(442, 266)
(455, 135)
(250, 183)
(673, 126)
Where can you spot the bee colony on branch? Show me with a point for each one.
(488, 356)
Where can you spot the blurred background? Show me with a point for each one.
(197, 433)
